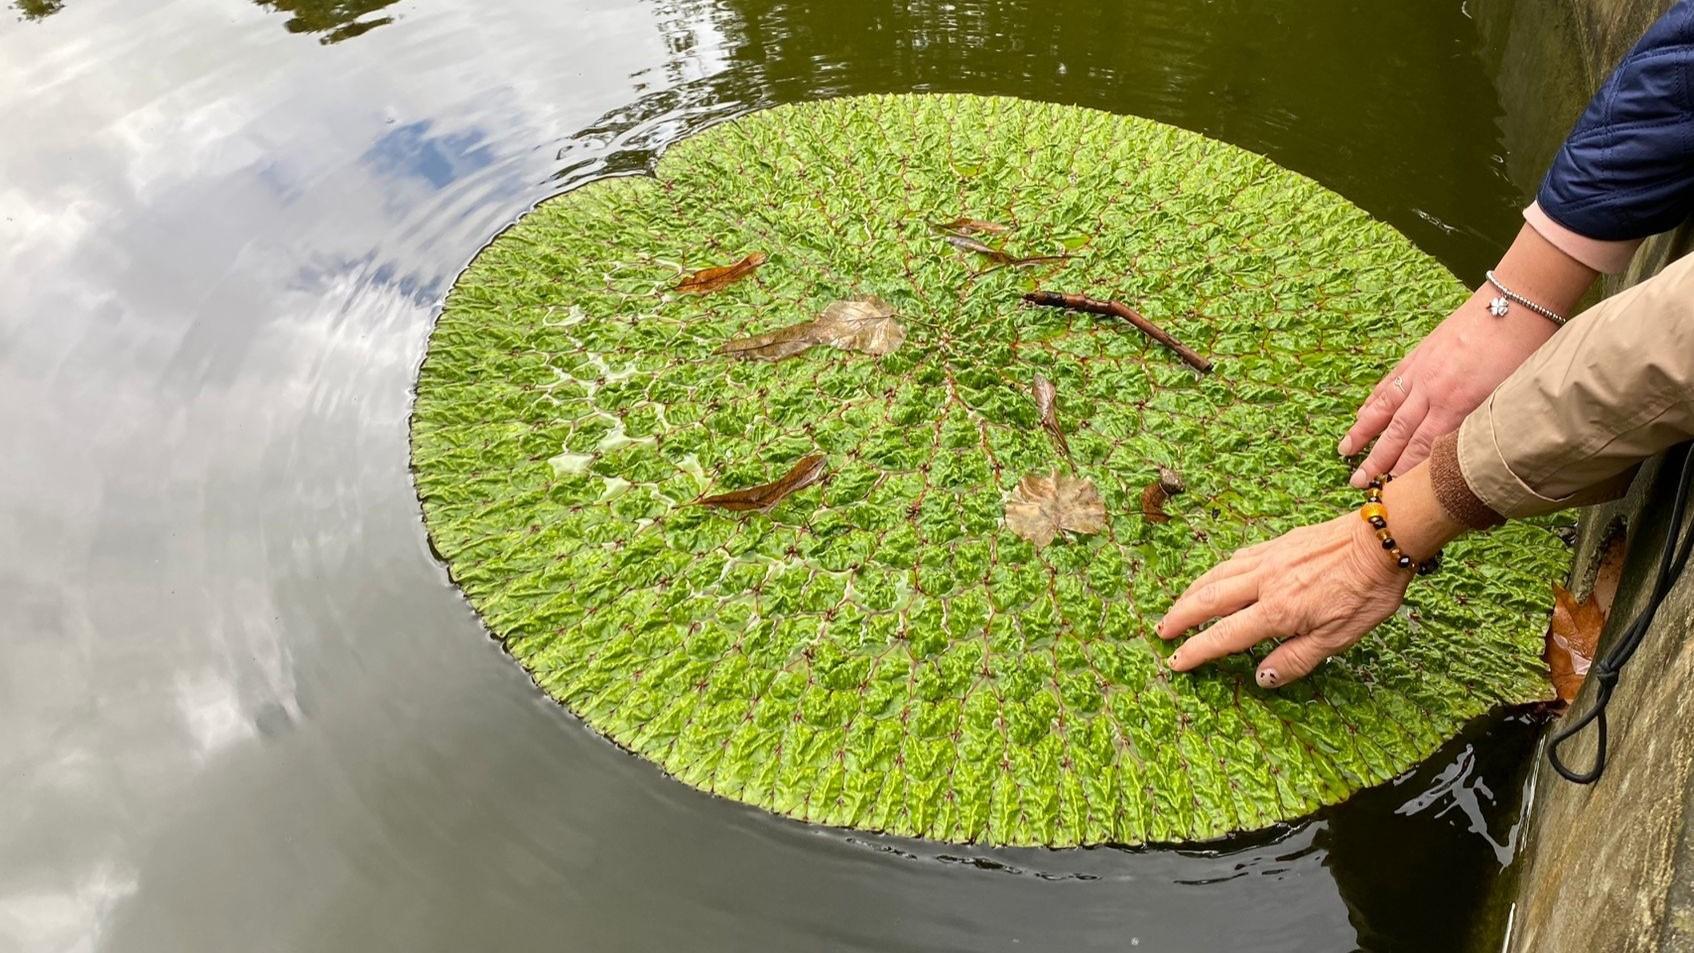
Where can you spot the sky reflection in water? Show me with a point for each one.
(244, 708)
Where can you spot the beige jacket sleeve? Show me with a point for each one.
(1612, 388)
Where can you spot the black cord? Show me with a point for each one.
(1606, 671)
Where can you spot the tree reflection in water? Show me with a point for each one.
(331, 20)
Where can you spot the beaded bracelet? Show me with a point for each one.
(1376, 515)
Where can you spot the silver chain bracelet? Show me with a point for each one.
(1502, 304)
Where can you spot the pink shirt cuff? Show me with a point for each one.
(1608, 258)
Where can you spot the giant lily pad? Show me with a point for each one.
(879, 650)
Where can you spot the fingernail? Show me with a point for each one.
(1267, 678)
(1175, 659)
(1358, 479)
(1345, 447)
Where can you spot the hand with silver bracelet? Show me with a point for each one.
(1453, 370)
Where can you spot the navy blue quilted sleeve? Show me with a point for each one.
(1627, 170)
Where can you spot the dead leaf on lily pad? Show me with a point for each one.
(972, 226)
(1157, 493)
(1047, 405)
(998, 256)
(764, 497)
(716, 279)
(866, 325)
(1044, 505)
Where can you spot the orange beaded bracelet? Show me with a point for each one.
(1374, 513)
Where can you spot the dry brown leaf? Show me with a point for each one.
(1609, 573)
(1157, 493)
(866, 325)
(972, 226)
(766, 496)
(1571, 640)
(967, 243)
(1043, 505)
(1153, 499)
(715, 279)
(1047, 404)
(1171, 481)
(998, 256)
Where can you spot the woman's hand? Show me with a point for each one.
(1448, 375)
(1319, 589)
(1452, 371)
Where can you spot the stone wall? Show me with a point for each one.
(1607, 867)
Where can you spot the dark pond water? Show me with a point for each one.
(244, 711)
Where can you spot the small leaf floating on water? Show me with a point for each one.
(716, 279)
(764, 497)
(1158, 492)
(866, 325)
(1042, 506)
(1047, 405)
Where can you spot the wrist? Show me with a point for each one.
(1421, 527)
(1543, 273)
(1374, 562)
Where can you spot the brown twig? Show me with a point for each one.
(1117, 309)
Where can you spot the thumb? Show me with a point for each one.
(1291, 661)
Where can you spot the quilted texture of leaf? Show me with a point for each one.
(880, 651)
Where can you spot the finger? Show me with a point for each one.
(1418, 448)
(1374, 414)
(1292, 661)
(1253, 550)
(1393, 441)
(1209, 601)
(1233, 566)
(1237, 633)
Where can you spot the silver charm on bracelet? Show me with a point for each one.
(1502, 304)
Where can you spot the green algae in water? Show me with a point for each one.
(880, 651)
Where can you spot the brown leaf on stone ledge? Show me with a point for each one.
(716, 279)
(1042, 506)
(1571, 639)
(766, 496)
(1573, 636)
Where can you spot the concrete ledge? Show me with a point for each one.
(1610, 866)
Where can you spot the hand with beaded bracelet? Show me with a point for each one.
(1318, 589)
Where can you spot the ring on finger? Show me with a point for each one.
(1400, 384)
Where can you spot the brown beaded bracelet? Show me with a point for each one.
(1376, 515)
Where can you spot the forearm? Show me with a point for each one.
(1544, 273)
(1613, 388)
